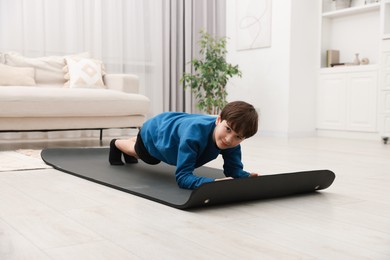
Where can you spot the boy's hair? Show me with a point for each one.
(241, 117)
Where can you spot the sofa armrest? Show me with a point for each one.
(128, 83)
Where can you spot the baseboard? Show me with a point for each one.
(299, 134)
(349, 134)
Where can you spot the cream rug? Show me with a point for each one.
(21, 160)
(29, 152)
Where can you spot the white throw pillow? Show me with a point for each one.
(16, 76)
(83, 72)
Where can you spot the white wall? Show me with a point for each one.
(280, 80)
(304, 65)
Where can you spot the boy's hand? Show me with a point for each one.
(253, 174)
(224, 179)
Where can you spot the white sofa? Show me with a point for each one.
(41, 102)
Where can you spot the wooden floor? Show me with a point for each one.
(46, 214)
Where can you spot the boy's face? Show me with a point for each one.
(224, 136)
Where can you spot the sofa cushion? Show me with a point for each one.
(83, 72)
(48, 69)
(69, 102)
(2, 57)
(16, 76)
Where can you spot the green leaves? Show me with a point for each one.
(211, 74)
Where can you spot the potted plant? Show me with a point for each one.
(211, 73)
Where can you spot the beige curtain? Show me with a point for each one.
(182, 21)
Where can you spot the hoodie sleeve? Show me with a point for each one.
(232, 166)
(186, 161)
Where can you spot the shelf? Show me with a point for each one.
(352, 11)
(356, 68)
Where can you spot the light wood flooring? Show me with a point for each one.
(47, 214)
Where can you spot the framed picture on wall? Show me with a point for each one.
(253, 24)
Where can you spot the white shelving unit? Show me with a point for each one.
(341, 69)
(384, 92)
(384, 73)
(347, 95)
(352, 30)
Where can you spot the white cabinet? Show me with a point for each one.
(347, 100)
(362, 101)
(331, 96)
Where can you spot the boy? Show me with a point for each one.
(189, 141)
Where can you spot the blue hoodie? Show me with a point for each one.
(186, 141)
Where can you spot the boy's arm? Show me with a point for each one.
(233, 166)
(186, 160)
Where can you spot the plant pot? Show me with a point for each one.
(341, 4)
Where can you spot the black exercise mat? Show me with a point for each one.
(157, 182)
